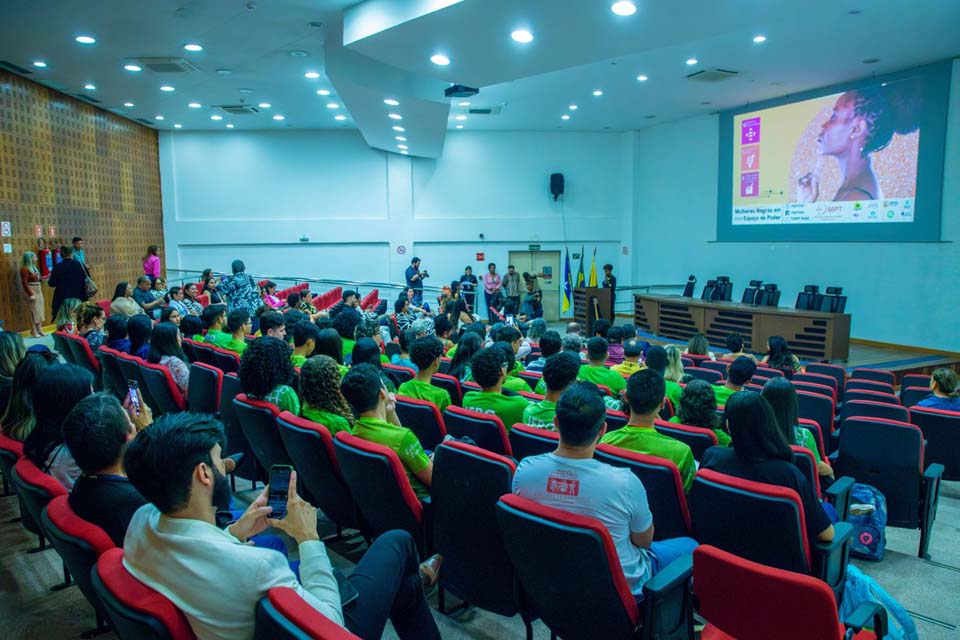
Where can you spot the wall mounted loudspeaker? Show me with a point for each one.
(556, 185)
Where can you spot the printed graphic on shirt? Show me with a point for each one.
(563, 483)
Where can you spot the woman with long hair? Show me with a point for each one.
(779, 356)
(329, 343)
(321, 400)
(90, 321)
(699, 346)
(674, 370)
(167, 351)
(116, 327)
(459, 316)
(269, 294)
(367, 351)
(211, 286)
(139, 329)
(18, 419)
(191, 299)
(30, 283)
(123, 302)
(266, 372)
(66, 318)
(171, 314)
(782, 396)
(698, 408)
(468, 346)
(151, 262)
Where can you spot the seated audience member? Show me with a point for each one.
(123, 302)
(513, 381)
(90, 320)
(698, 408)
(779, 357)
(321, 400)
(166, 350)
(293, 301)
(739, 373)
(442, 329)
(306, 306)
(175, 298)
(596, 371)
(239, 326)
(760, 453)
(116, 326)
(402, 359)
(291, 318)
(657, 361)
(945, 391)
(574, 328)
(273, 324)
(12, 351)
(211, 285)
(513, 337)
(269, 294)
(346, 325)
(139, 328)
(538, 327)
(215, 319)
(474, 327)
(304, 342)
(615, 345)
(351, 303)
(159, 287)
(600, 328)
(629, 331)
(489, 368)
(149, 300)
(559, 373)
(470, 343)
(97, 432)
(782, 396)
(192, 327)
(377, 421)
(459, 315)
(171, 315)
(329, 343)
(573, 343)
(734, 343)
(426, 353)
(549, 344)
(612, 495)
(632, 350)
(645, 393)
(266, 373)
(66, 318)
(698, 346)
(18, 418)
(176, 464)
(367, 351)
(402, 316)
(674, 370)
(58, 389)
(191, 300)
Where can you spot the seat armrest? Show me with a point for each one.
(668, 601)
(838, 494)
(834, 459)
(933, 472)
(868, 615)
(675, 574)
(830, 558)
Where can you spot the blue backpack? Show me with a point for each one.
(859, 588)
(868, 515)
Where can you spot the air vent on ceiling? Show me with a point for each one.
(166, 65)
(484, 111)
(86, 98)
(9, 66)
(236, 110)
(712, 75)
(149, 123)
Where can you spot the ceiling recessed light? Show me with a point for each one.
(312, 75)
(167, 88)
(297, 53)
(85, 39)
(178, 126)
(193, 47)
(459, 126)
(264, 105)
(333, 105)
(323, 92)
(522, 36)
(402, 146)
(128, 104)
(278, 117)
(642, 78)
(400, 138)
(760, 38)
(464, 103)
(461, 117)
(158, 117)
(90, 87)
(572, 107)
(400, 129)
(649, 117)
(223, 72)
(40, 64)
(216, 117)
(403, 152)
(440, 60)
(391, 102)
(598, 93)
(340, 117)
(395, 116)
(623, 8)
(132, 67)
(245, 90)
(194, 105)
(692, 61)
(229, 126)
(565, 117)
(871, 60)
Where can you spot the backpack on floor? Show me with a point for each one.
(859, 588)
(868, 515)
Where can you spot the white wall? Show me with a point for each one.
(898, 293)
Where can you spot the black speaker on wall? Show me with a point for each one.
(556, 185)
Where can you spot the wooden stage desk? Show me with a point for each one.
(812, 335)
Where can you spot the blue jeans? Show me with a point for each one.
(663, 552)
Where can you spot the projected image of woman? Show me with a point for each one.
(862, 122)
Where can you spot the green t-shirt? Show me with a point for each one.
(805, 438)
(452, 351)
(508, 408)
(348, 347)
(648, 441)
(333, 422)
(723, 438)
(541, 387)
(602, 375)
(343, 369)
(516, 384)
(425, 391)
(401, 440)
(673, 392)
(237, 346)
(284, 398)
(723, 392)
(540, 415)
(297, 360)
(217, 338)
(197, 338)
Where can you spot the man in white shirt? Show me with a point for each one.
(174, 546)
(572, 480)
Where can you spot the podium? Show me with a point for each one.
(590, 304)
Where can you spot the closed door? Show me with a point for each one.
(546, 266)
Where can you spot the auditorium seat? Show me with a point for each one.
(836, 372)
(531, 378)
(751, 601)
(130, 367)
(423, 418)
(62, 347)
(707, 375)
(668, 410)
(451, 384)
(204, 352)
(914, 380)
(526, 441)
(258, 421)
(697, 438)
(910, 396)
(397, 374)
(837, 494)
(867, 408)
(83, 356)
(284, 615)
(941, 430)
(226, 361)
(872, 396)
(105, 305)
(616, 420)
(113, 379)
(485, 429)
(854, 384)
(695, 358)
(10, 451)
(249, 468)
(767, 372)
(818, 378)
(204, 388)
(814, 427)
(187, 345)
(819, 408)
(163, 388)
(569, 567)
(878, 375)
(687, 362)
(36, 489)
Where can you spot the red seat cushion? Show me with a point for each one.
(294, 608)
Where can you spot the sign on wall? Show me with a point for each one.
(5, 230)
(480, 257)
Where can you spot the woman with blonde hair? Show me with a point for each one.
(66, 319)
(30, 282)
(322, 401)
(674, 370)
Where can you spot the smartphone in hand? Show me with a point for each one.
(133, 393)
(279, 487)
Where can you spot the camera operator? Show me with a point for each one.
(415, 279)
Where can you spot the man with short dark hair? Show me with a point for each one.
(468, 285)
(273, 324)
(304, 342)
(571, 479)
(173, 545)
(239, 326)
(632, 350)
(489, 367)
(549, 345)
(511, 286)
(558, 374)
(414, 278)
(645, 393)
(739, 373)
(596, 370)
(215, 319)
(144, 295)
(78, 253)
(426, 353)
(610, 282)
(68, 280)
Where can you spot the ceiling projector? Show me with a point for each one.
(460, 91)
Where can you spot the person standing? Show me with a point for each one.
(415, 280)
(468, 287)
(30, 282)
(242, 292)
(491, 285)
(151, 262)
(68, 280)
(610, 282)
(511, 285)
(78, 253)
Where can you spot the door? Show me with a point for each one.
(546, 266)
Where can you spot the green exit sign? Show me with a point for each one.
(533, 247)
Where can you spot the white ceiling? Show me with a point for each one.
(579, 46)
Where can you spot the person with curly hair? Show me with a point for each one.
(266, 372)
(698, 408)
(321, 400)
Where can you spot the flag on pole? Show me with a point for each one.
(593, 268)
(567, 291)
(581, 279)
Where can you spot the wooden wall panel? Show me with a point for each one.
(81, 170)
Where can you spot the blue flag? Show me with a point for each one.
(567, 288)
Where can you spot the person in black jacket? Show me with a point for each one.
(68, 279)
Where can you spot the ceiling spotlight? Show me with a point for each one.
(400, 129)
(402, 146)
(465, 103)
(623, 8)
(692, 61)
(40, 64)
(522, 36)
(158, 117)
(572, 107)
(333, 105)
(178, 126)
(223, 72)
(461, 117)
(642, 78)
(598, 93)
(194, 105)
(323, 92)
(340, 117)
(132, 67)
(395, 116)
(278, 117)
(167, 88)
(90, 87)
(459, 126)
(245, 90)
(193, 47)
(128, 104)
(391, 102)
(85, 39)
(759, 39)
(298, 53)
(565, 117)
(229, 126)
(311, 75)
(870, 60)
(440, 60)
(400, 138)
(264, 105)
(403, 152)
(216, 117)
